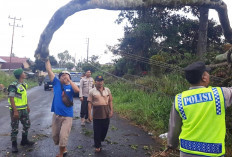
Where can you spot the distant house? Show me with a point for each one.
(13, 63)
(1, 62)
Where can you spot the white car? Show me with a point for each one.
(76, 79)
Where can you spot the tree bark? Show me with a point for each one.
(74, 6)
(202, 32)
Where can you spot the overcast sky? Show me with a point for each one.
(97, 25)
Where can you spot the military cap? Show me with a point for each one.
(99, 78)
(194, 71)
(18, 72)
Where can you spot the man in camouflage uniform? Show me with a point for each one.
(19, 109)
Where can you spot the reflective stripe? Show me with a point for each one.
(215, 148)
(21, 106)
(217, 101)
(180, 106)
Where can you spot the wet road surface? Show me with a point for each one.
(123, 139)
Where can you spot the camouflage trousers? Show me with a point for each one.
(24, 119)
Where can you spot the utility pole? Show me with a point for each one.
(87, 50)
(75, 59)
(81, 61)
(12, 41)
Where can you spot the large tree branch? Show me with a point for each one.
(224, 20)
(79, 5)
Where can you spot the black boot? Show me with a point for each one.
(25, 141)
(14, 147)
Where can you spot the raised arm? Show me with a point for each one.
(227, 92)
(49, 70)
(74, 86)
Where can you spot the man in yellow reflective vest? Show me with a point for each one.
(19, 109)
(197, 118)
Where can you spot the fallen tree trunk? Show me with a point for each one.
(74, 6)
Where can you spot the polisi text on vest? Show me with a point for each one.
(198, 98)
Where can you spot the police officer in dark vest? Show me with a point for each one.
(19, 109)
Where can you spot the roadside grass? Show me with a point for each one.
(57, 71)
(7, 79)
(148, 109)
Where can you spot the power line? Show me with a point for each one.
(161, 64)
(152, 62)
(118, 77)
(130, 82)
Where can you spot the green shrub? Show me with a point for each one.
(7, 79)
(146, 109)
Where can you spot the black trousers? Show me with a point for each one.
(84, 108)
(100, 128)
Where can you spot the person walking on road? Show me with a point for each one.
(19, 109)
(197, 118)
(62, 106)
(86, 84)
(100, 100)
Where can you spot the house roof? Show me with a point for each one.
(13, 59)
(12, 65)
(2, 61)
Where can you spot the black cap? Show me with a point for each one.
(194, 71)
(99, 78)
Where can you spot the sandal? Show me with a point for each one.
(98, 150)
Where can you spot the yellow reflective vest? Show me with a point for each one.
(20, 98)
(203, 116)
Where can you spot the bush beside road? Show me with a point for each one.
(6, 79)
(149, 109)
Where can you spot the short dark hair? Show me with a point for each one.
(87, 70)
(17, 76)
(193, 77)
(194, 72)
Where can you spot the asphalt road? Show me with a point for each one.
(123, 139)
